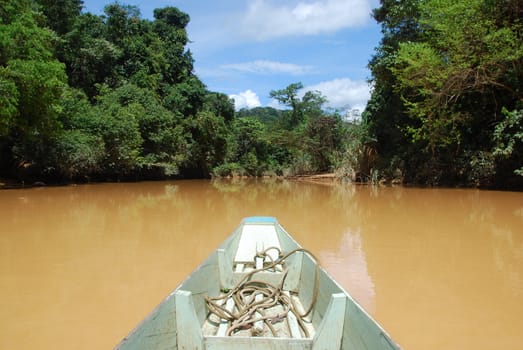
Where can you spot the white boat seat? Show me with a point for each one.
(254, 239)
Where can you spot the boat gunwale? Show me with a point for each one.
(280, 230)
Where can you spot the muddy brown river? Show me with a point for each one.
(80, 266)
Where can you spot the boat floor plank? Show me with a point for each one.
(212, 325)
(224, 324)
(292, 321)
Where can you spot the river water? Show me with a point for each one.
(438, 268)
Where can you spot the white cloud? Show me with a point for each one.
(269, 67)
(266, 19)
(275, 104)
(245, 99)
(344, 93)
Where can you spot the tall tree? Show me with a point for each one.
(31, 81)
(90, 58)
(289, 97)
(385, 114)
(325, 139)
(61, 14)
(455, 82)
(170, 25)
(207, 143)
(440, 80)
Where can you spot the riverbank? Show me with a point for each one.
(8, 184)
(324, 178)
(321, 178)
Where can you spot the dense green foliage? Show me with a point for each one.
(115, 97)
(110, 96)
(447, 99)
(300, 139)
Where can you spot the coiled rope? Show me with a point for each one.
(249, 310)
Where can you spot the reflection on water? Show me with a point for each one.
(81, 265)
(349, 266)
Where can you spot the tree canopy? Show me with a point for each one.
(444, 74)
(114, 96)
(109, 96)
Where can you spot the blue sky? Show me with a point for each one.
(246, 48)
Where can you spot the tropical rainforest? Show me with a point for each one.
(114, 97)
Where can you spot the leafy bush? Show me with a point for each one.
(78, 153)
(228, 169)
(508, 139)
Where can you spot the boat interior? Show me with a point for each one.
(265, 288)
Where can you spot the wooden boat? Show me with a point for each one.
(259, 290)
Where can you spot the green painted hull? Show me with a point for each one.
(339, 321)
